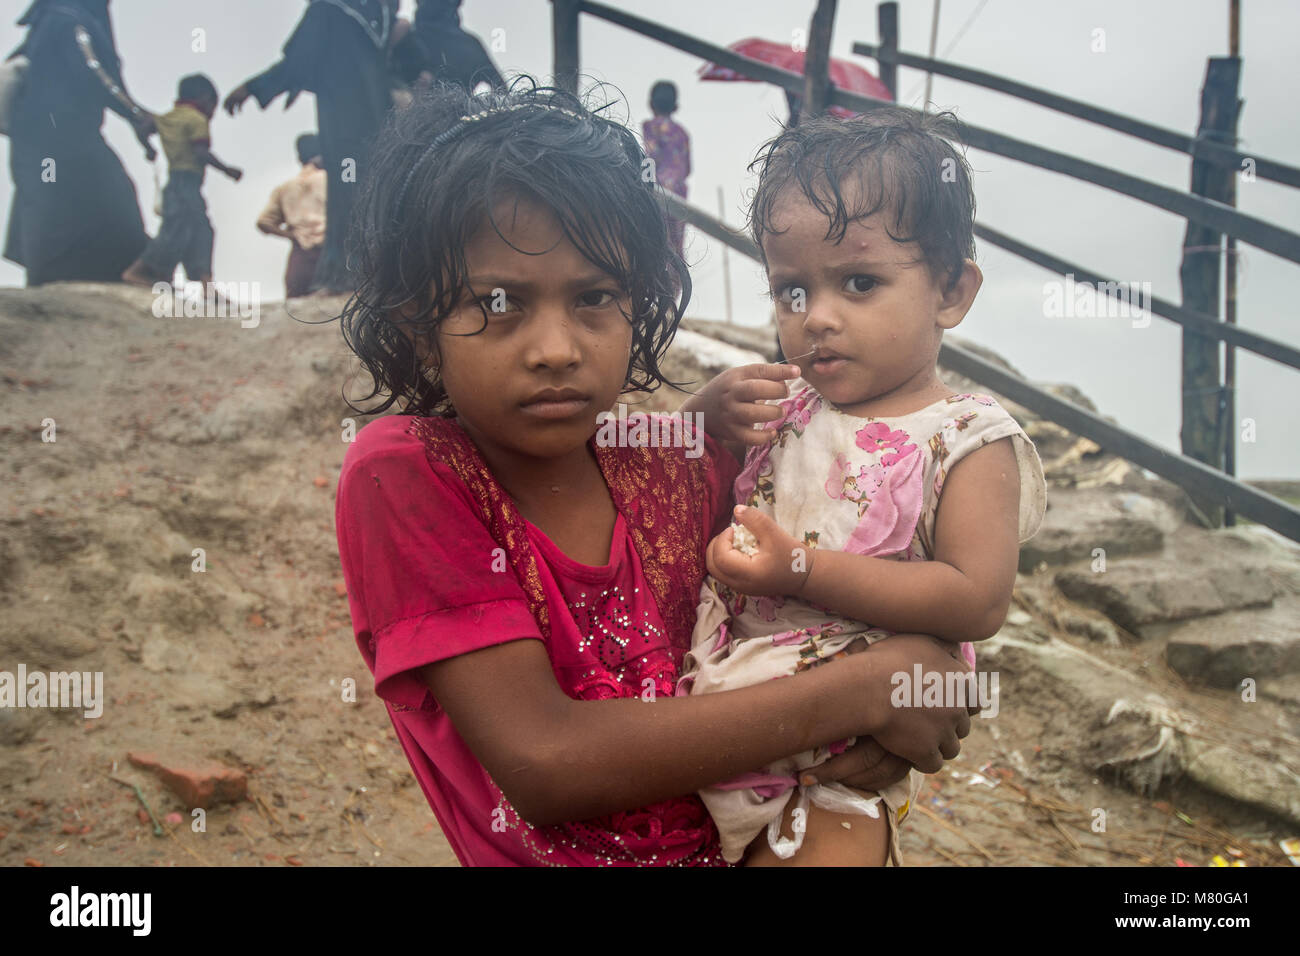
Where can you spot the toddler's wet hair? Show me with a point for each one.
(423, 201)
(891, 161)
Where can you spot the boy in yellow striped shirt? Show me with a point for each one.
(186, 235)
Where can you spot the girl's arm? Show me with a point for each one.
(961, 595)
(558, 759)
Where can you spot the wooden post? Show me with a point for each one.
(1230, 296)
(726, 264)
(564, 37)
(934, 43)
(887, 26)
(817, 59)
(1203, 433)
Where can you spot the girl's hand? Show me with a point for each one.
(732, 402)
(923, 736)
(779, 566)
(866, 765)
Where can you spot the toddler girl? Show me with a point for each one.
(523, 595)
(669, 146)
(883, 502)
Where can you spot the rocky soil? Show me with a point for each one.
(1148, 708)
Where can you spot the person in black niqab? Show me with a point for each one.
(338, 51)
(439, 49)
(75, 213)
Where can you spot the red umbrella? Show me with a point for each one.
(844, 74)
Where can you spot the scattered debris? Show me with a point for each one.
(1291, 847)
(147, 813)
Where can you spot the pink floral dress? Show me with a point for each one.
(835, 481)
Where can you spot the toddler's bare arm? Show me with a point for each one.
(961, 595)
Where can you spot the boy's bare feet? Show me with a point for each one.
(136, 274)
(214, 295)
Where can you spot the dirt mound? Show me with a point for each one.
(167, 520)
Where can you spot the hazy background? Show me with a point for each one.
(1152, 68)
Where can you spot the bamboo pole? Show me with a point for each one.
(1230, 295)
(817, 59)
(934, 42)
(564, 40)
(726, 264)
(887, 28)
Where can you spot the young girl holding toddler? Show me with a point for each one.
(523, 596)
(884, 502)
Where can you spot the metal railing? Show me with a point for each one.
(1194, 476)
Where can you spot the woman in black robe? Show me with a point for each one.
(75, 213)
(339, 51)
(439, 49)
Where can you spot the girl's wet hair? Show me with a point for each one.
(897, 162)
(434, 179)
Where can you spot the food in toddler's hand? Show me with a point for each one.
(743, 540)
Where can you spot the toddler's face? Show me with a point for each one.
(868, 303)
(556, 347)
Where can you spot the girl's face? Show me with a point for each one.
(868, 303)
(556, 347)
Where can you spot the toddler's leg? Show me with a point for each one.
(827, 841)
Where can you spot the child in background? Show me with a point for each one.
(670, 147)
(522, 594)
(186, 235)
(297, 212)
(882, 502)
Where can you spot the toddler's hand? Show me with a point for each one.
(732, 402)
(778, 565)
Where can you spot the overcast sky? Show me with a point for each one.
(1152, 68)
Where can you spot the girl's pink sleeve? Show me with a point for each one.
(425, 579)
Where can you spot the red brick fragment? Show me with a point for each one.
(197, 783)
